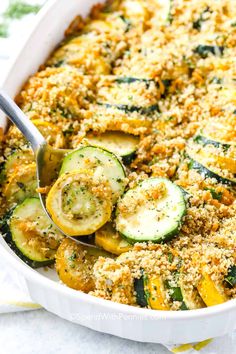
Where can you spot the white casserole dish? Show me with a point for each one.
(121, 320)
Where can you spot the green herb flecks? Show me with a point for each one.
(72, 257)
(4, 30)
(18, 9)
(214, 194)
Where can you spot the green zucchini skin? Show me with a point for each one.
(139, 287)
(168, 237)
(30, 262)
(131, 80)
(119, 143)
(6, 232)
(127, 159)
(206, 173)
(130, 109)
(200, 139)
(167, 83)
(230, 278)
(204, 50)
(216, 81)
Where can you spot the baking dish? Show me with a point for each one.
(44, 288)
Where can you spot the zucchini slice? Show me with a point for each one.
(200, 139)
(221, 132)
(110, 240)
(139, 288)
(216, 157)
(74, 265)
(131, 80)
(80, 202)
(32, 235)
(121, 144)
(16, 160)
(210, 292)
(152, 211)
(207, 173)
(204, 50)
(141, 96)
(102, 162)
(85, 52)
(21, 184)
(130, 108)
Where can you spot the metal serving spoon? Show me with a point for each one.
(48, 159)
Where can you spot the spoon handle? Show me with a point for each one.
(27, 128)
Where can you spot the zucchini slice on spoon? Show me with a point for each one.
(102, 163)
(80, 202)
(152, 211)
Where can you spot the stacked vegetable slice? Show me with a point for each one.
(213, 152)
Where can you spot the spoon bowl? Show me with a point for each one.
(48, 159)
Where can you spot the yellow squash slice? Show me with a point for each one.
(156, 291)
(210, 292)
(110, 240)
(80, 202)
(74, 265)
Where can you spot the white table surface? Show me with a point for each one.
(38, 331)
